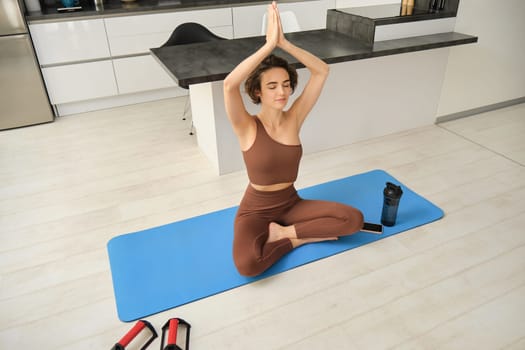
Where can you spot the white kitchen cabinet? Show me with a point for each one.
(141, 73)
(247, 20)
(78, 82)
(86, 61)
(137, 34)
(69, 41)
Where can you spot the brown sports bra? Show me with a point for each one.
(270, 162)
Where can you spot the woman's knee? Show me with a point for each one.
(355, 218)
(256, 263)
(359, 220)
(248, 266)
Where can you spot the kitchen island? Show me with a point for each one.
(373, 90)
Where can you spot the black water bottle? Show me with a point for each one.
(392, 194)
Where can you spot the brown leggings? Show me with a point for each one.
(312, 219)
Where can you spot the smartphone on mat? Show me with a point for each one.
(372, 228)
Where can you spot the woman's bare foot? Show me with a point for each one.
(277, 232)
(296, 242)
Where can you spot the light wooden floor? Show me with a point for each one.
(459, 283)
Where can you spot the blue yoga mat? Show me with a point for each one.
(171, 265)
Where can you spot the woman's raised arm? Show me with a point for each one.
(318, 73)
(239, 117)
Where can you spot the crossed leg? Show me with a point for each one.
(315, 221)
(260, 242)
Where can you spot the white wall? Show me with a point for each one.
(492, 70)
(488, 72)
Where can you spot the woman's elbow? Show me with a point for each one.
(325, 70)
(228, 85)
(322, 70)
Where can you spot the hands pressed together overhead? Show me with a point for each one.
(243, 122)
(274, 28)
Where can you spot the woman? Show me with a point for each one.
(272, 219)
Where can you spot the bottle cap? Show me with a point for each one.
(392, 190)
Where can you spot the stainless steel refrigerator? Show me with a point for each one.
(23, 96)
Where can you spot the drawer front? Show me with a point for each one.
(78, 82)
(72, 41)
(137, 34)
(141, 73)
(141, 43)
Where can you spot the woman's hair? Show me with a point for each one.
(253, 83)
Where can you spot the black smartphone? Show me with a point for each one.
(372, 228)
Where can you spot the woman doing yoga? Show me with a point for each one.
(272, 219)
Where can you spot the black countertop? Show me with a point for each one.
(212, 61)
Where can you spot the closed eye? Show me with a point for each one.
(272, 85)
